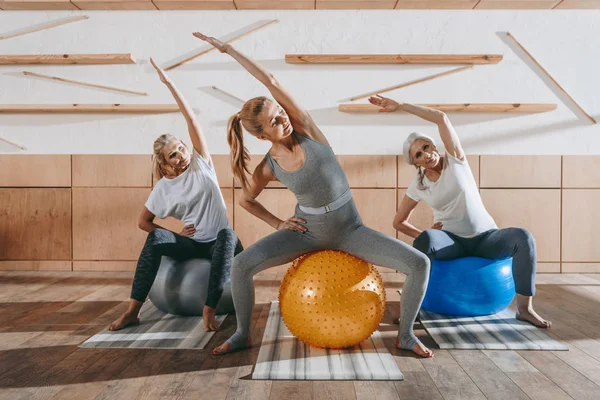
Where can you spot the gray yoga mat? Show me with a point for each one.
(282, 356)
(157, 330)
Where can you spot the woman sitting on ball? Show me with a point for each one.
(462, 225)
(325, 218)
(188, 190)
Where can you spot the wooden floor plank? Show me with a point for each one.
(567, 378)
(451, 380)
(490, 379)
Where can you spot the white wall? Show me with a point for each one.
(565, 42)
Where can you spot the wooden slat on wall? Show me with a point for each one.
(421, 218)
(112, 170)
(537, 210)
(275, 4)
(35, 170)
(194, 5)
(280, 202)
(520, 171)
(105, 223)
(114, 4)
(15, 265)
(516, 4)
(37, 5)
(580, 221)
(35, 224)
(436, 4)
(106, 266)
(374, 171)
(581, 172)
(578, 4)
(407, 173)
(355, 4)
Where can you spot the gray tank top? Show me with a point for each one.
(319, 181)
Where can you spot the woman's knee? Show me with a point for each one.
(227, 234)
(522, 237)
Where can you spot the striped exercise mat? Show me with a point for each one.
(157, 330)
(501, 331)
(282, 356)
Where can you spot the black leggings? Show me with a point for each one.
(161, 242)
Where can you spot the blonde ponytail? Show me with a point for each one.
(240, 158)
(246, 118)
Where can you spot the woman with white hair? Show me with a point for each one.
(462, 226)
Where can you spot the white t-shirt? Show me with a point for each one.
(455, 200)
(193, 197)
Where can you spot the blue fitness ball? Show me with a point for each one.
(469, 286)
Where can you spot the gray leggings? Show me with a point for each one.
(341, 230)
(517, 243)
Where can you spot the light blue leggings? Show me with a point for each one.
(341, 230)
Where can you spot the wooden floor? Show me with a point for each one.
(45, 315)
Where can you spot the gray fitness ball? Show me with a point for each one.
(181, 287)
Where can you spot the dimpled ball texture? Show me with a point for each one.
(330, 299)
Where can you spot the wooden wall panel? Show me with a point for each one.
(35, 170)
(537, 210)
(114, 4)
(436, 4)
(280, 202)
(35, 224)
(580, 221)
(581, 268)
(112, 171)
(275, 4)
(516, 4)
(377, 208)
(355, 4)
(106, 266)
(105, 223)
(35, 265)
(520, 171)
(37, 5)
(548, 268)
(581, 172)
(421, 218)
(578, 4)
(373, 171)
(195, 4)
(407, 173)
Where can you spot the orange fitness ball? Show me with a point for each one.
(331, 299)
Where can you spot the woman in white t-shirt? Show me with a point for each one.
(462, 226)
(187, 189)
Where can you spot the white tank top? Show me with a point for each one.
(193, 197)
(455, 200)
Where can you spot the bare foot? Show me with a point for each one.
(123, 321)
(533, 318)
(228, 348)
(419, 349)
(210, 322)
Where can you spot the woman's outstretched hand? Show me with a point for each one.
(163, 77)
(387, 105)
(222, 47)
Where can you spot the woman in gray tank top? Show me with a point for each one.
(325, 217)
